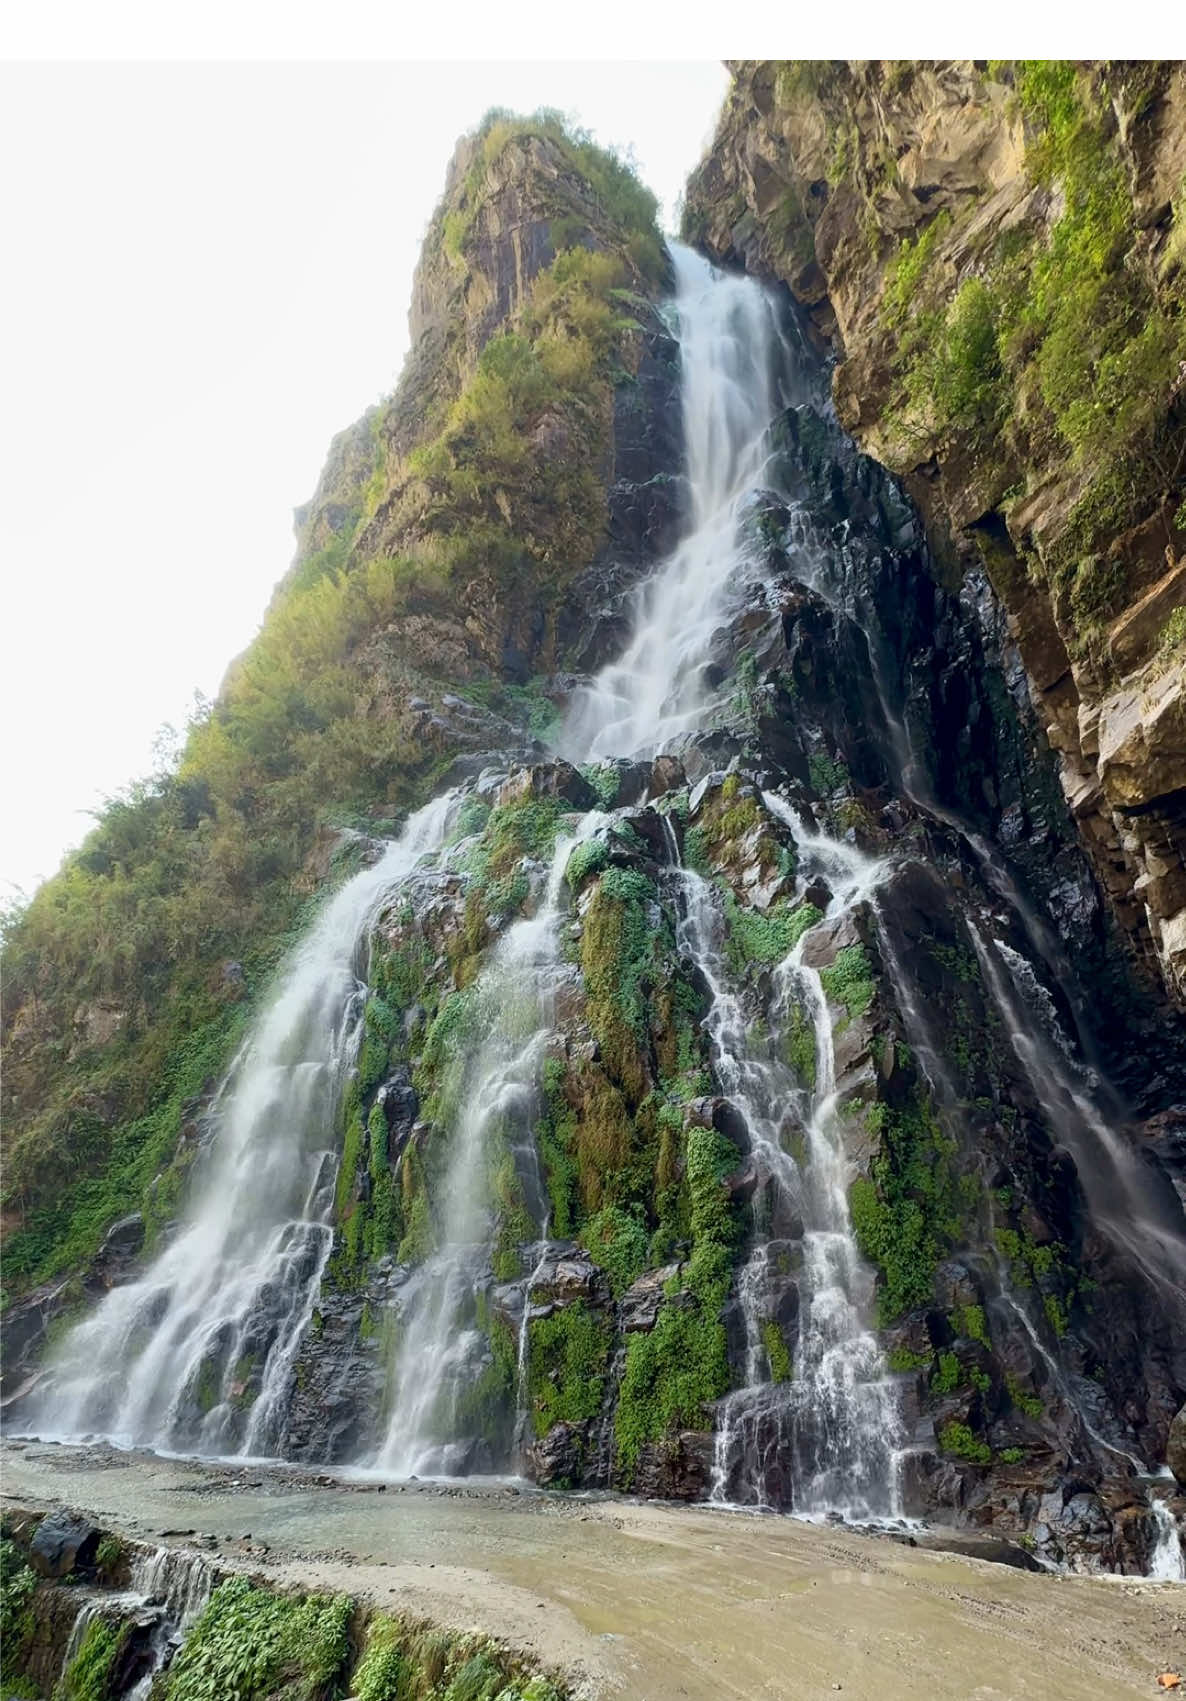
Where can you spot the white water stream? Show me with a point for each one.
(731, 356)
(441, 1347)
(196, 1354)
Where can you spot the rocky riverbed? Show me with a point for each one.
(642, 1600)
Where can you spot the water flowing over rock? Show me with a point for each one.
(732, 1088)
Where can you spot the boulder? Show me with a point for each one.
(63, 1543)
(638, 1308)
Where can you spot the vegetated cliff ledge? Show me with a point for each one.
(996, 253)
(441, 576)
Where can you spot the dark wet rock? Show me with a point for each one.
(667, 774)
(557, 780)
(401, 1107)
(679, 1468)
(557, 1460)
(639, 1306)
(63, 1543)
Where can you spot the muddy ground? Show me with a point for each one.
(651, 1602)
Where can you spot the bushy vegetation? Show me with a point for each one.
(212, 862)
(673, 1371)
(569, 1358)
(906, 1213)
(17, 1584)
(1060, 342)
(403, 1661)
(255, 1644)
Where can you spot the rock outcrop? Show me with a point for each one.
(996, 256)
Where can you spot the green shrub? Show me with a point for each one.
(569, 1356)
(849, 981)
(755, 937)
(617, 1241)
(907, 1212)
(17, 1627)
(778, 1354)
(958, 1439)
(255, 1645)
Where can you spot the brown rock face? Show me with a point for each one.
(892, 199)
(1175, 1453)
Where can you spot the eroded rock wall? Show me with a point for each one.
(994, 253)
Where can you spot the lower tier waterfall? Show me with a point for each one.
(698, 1107)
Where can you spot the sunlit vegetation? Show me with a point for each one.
(129, 974)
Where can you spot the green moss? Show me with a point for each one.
(969, 1321)
(256, 1645)
(755, 937)
(908, 1211)
(606, 781)
(948, 1374)
(828, 774)
(958, 1440)
(589, 857)
(513, 1222)
(616, 955)
(88, 1676)
(617, 1241)
(680, 1365)
(903, 1358)
(849, 981)
(799, 1046)
(778, 1354)
(569, 1356)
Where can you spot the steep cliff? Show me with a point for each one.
(532, 436)
(995, 253)
(756, 1092)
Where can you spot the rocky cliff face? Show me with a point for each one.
(767, 1098)
(995, 255)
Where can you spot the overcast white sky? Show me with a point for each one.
(208, 273)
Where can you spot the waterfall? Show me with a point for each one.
(1147, 1229)
(174, 1582)
(827, 1433)
(1167, 1562)
(441, 1349)
(731, 359)
(196, 1354)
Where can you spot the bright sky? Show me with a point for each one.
(208, 273)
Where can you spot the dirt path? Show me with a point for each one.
(654, 1603)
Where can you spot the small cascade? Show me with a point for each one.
(174, 1578)
(1146, 1228)
(167, 1590)
(441, 1350)
(196, 1354)
(1167, 1562)
(820, 1433)
(523, 1344)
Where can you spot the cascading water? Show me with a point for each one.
(1123, 1199)
(834, 1425)
(732, 356)
(196, 1354)
(824, 1435)
(441, 1350)
(167, 1589)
